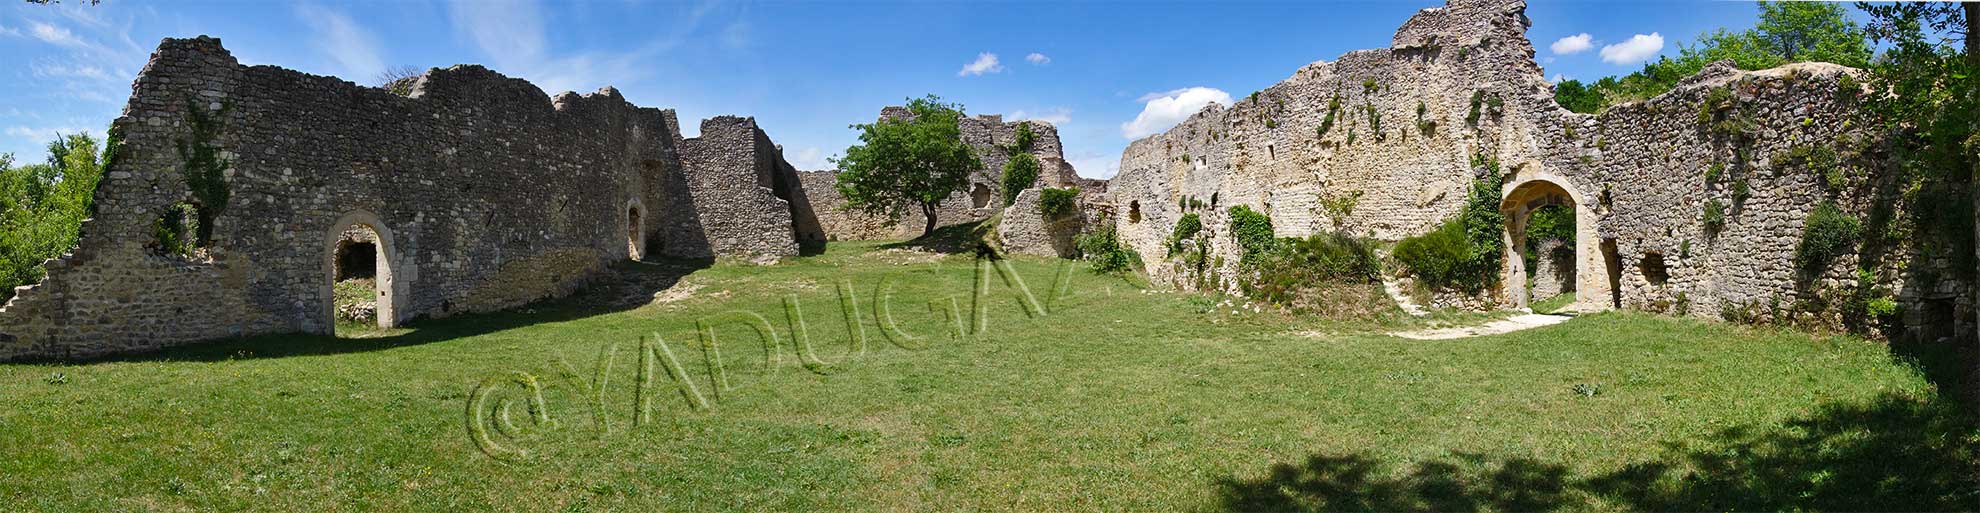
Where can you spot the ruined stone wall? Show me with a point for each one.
(988, 135)
(1025, 230)
(1553, 270)
(484, 192)
(737, 184)
(1460, 81)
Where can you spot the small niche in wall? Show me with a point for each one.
(1134, 211)
(1654, 270)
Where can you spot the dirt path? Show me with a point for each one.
(1506, 325)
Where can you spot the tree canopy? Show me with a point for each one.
(1787, 32)
(911, 162)
(42, 207)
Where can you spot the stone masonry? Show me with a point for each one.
(1400, 126)
(988, 134)
(484, 193)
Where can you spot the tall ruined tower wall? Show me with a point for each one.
(486, 194)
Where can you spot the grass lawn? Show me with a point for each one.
(1117, 399)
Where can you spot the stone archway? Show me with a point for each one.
(391, 283)
(1530, 191)
(635, 230)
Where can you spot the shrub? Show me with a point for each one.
(1712, 174)
(1057, 202)
(1464, 253)
(1327, 123)
(1253, 232)
(1715, 215)
(1437, 259)
(1187, 227)
(1374, 119)
(1828, 233)
(1019, 174)
(1103, 249)
(1300, 272)
(1025, 137)
(1477, 99)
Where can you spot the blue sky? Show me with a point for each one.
(1101, 71)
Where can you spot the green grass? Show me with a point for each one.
(1118, 399)
(1553, 304)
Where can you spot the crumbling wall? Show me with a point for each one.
(485, 194)
(1459, 86)
(1025, 230)
(989, 135)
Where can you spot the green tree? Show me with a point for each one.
(1019, 173)
(911, 162)
(1925, 92)
(1577, 97)
(42, 207)
(1787, 32)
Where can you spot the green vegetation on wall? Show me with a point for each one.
(1019, 173)
(1464, 253)
(205, 171)
(1057, 202)
(1253, 232)
(1828, 233)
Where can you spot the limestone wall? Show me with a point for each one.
(1026, 231)
(1460, 81)
(988, 135)
(485, 194)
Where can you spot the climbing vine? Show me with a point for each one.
(205, 169)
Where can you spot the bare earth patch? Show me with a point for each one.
(1506, 325)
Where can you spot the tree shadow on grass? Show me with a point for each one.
(1893, 453)
(622, 286)
(955, 238)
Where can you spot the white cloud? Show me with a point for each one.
(1573, 44)
(1096, 165)
(352, 47)
(9, 31)
(1038, 58)
(1163, 110)
(809, 159)
(54, 35)
(1055, 115)
(1558, 78)
(1637, 49)
(46, 70)
(985, 62)
(511, 33)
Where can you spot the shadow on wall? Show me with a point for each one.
(1889, 454)
(623, 286)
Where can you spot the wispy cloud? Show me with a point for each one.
(352, 47)
(1572, 44)
(1055, 115)
(511, 33)
(809, 159)
(985, 62)
(1160, 111)
(1637, 49)
(40, 135)
(1038, 58)
(54, 70)
(1096, 165)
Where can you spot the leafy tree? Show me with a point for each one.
(1577, 97)
(42, 207)
(1925, 92)
(1787, 32)
(916, 161)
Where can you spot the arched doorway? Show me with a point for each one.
(360, 285)
(635, 231)
(1550, 230)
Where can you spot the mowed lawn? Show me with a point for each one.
(1117, 398)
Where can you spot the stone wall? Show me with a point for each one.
(1025, 230)
(484, 193)
(988, 135)
(1553, 270)
(1400, 127)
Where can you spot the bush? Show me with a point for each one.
(1438, 259)
(1253, 232)
(1025, 137)
(1103, 248)
(1828, 234)
(1302, 273)
(1019, 174)
(1187, 227)
(1464, 253)
(1057, 202)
